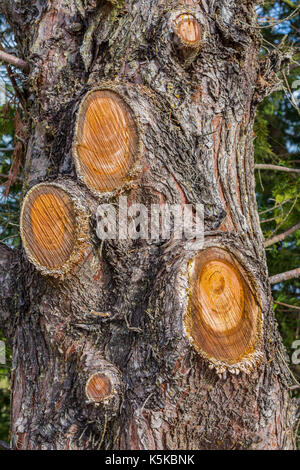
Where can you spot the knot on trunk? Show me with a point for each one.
(106, 143)
(223, 320)
(188, 30)
(103, 383)
(54, 227)
(98, 388)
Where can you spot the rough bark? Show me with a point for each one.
(118, 316)
(8, 281)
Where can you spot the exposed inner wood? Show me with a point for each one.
(188, 29)
(223, 315)
(98, 387)
(48, 225)
(106, 142)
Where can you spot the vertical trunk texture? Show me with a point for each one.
(115, 345)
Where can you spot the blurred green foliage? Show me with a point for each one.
(9, 206)
(277, 130)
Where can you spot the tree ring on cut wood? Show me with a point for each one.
(98, 388)
(54, 228)
(223, 319)
(106, 143)
(188, 30)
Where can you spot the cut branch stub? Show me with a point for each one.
(106, 141)
(188, 30)
(223, 319)
(54, 228)
(98, 388)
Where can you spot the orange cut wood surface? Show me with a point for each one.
(188, 29)
(98, 387)
(223, 315)
(48, 225)
(106, 142)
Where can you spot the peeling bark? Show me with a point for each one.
(120, 312)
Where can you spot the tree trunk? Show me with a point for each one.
(134, 343)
